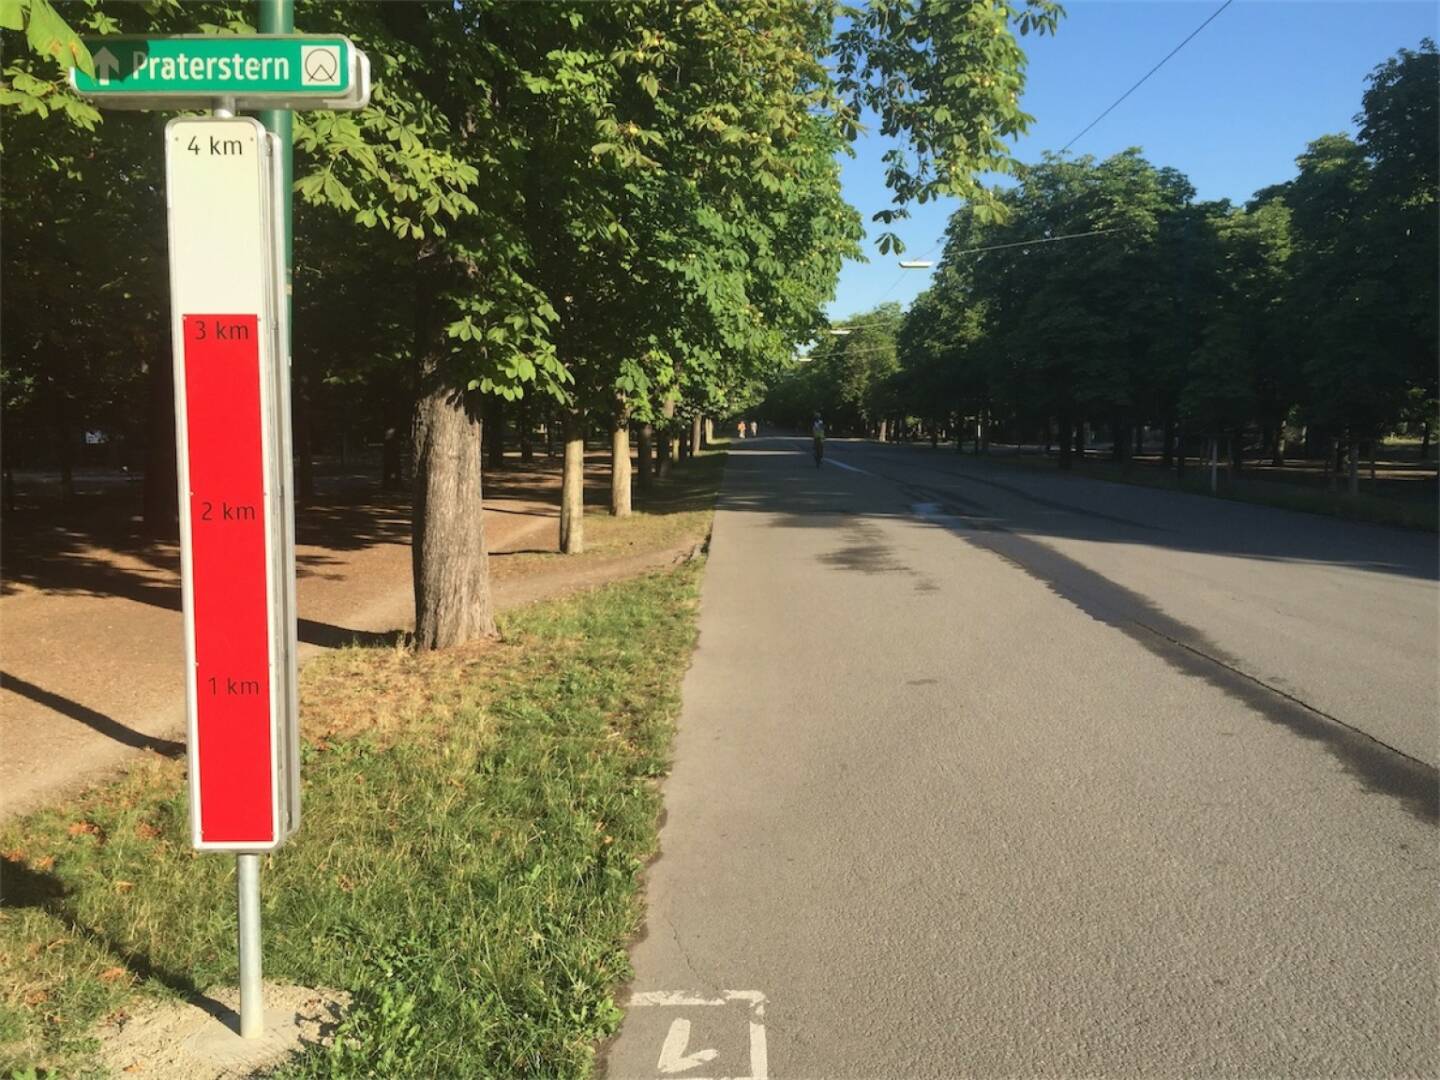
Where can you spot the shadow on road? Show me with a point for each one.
(1015, 526)
(1073, 507)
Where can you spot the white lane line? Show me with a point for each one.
(852, 468)
(684, 998)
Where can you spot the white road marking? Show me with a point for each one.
(852, 468)
(673, 1058)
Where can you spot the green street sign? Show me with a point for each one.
(251, 71)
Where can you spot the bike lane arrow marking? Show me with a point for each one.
(673, 1058)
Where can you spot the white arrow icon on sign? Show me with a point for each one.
(673, 1058)
(106, 64)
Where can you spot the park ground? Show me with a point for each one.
(82, 582)
(520, 772)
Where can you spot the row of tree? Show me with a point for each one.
(1108, 296)
(628, 212)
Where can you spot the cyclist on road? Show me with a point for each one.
(817, 432)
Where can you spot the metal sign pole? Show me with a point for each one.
(247, 874)
(252, 1000)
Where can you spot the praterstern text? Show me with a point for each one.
(234, 68)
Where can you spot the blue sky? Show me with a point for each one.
(1232, 110)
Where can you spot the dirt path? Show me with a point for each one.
(91, 658)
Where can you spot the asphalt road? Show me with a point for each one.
(986, 772)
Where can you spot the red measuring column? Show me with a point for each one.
(234, 754)
(236, 554)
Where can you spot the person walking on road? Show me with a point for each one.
(740, 429)
(817, 433)
(754, 429)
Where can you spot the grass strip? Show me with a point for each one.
(476, 822)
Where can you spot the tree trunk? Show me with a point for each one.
(645, 459)
(494, 433)
(526, 436)
(1353, 453)
(1117, 440)
(697, 432)
(620, 461)
(709, 431)
(1277, 447)
(572, 485)
(666, 446)
(1167, 438)
(883, 430)
(304, 461)
(452, 577)
(64, 443)
(161, 493)
(392, 452)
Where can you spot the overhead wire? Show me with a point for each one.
(1076, 138)
(847, 325)
(1213, 16)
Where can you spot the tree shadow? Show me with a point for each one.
(1074, 507)
(41, 890)
(96, 721)
(329, 636)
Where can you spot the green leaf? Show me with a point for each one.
(12, 14)
(50, 35)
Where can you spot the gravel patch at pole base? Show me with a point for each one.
(200, 1040)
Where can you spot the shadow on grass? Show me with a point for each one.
(22, 887)
(329, 636)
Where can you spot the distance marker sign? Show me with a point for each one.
(232, 411)
(258, 71)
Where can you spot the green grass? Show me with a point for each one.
(476, 822)
(674, 513)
